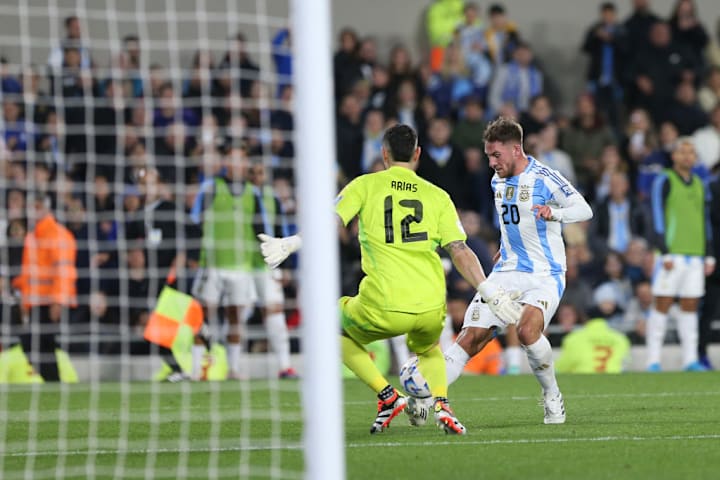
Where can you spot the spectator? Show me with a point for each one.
(73, 36)
(15, 130)
(711, 301)
(538, 115)
(468, 132)
(610, 163)
(405, 108)
(568, 317)
(585, 139)
(470, 36)
(516, 81)
(476, 195)
(639, 139)
(401, 70)
(606, 300)
(344, 62)
(638, 26)
(501, 35)
(619, 217)
(707, 140)
(687, 29)
(282, 56)
(349, 137)
(639, 309)
(658, 69)
(240, 66)
(606, 45)
(202, 86)
(9, 85)
(169, 109)
(452, 84)
(379, 88)
(709, 94)
(443, 16)
(685, 112)
(373, 136)
(713, 50)
(47, 284)
(547, 151)
(656, 161)
(636, 255)
(441, 162)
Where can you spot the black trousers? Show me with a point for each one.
(39, 343)
(709, 311)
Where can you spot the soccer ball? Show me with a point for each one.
(412, 380)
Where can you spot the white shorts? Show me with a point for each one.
(222, 287)
(268, 288)
(685, 280)
(540, 291)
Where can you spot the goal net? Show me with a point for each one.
(144, 146)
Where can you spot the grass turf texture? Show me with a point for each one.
(629, 426)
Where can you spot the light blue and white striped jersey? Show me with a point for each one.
(528, 244)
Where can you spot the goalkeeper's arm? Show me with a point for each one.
(501, 303)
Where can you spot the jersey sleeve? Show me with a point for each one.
(570, 205)
(349, 200)
(450, 228)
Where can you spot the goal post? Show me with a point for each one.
(314, 137)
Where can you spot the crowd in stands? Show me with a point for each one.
(120, 144)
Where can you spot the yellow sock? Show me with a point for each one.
(357, 359)
(432, 366)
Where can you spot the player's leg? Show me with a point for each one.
(540, 301)
(272, 300)
(239, 295)
(665, 285)
(360, 326)
(423, 340)
(693, 281)
(400, 350)
(513, 350)
(478, 329)
(207, 289)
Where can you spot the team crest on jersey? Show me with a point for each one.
(524, 194)
(509, 192)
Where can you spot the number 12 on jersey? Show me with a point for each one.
(415, 217)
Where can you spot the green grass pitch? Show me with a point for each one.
(632, 426)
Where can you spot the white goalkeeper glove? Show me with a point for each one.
(276, 250)
(503, 304)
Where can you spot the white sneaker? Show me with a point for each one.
(177, 377)
(417, 410)
(554, 409)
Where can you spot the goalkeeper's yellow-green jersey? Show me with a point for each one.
(403, 220)
(594, 348)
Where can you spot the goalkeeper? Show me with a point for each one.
(403, 219)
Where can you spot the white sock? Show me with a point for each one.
(455, 360)
(687, 326)
(655, 335)
(540, 358)
(400, 350)
(512, 357)
(234, 352)
(279, 338)
(198, 351)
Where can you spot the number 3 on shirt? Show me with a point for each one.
(415, 217)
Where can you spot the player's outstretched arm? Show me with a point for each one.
(571, 207)
(502, 303)
(276, 250)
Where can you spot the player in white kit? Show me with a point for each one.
(532, 201)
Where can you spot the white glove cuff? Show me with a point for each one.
(486, 289)
(293, 243)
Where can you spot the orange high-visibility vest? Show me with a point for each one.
(48, 273)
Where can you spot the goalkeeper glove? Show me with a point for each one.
(503, 304)
(276, 250)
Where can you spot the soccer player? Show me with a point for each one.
(403, 219)
(532, 201)
(234, 207)
(683, 240)
(593, 348)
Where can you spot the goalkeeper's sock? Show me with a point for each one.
(432, 367)
(357, 359)
(687, 327)
(234, 353)
(198, 352)
(455, 360)
(540, 358)
(279, 339)
(655, 335)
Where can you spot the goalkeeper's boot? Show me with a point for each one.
(554, 408)
(445, 418)
(387, 410)
(417, 410)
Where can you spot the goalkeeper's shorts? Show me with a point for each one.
(366, 324)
